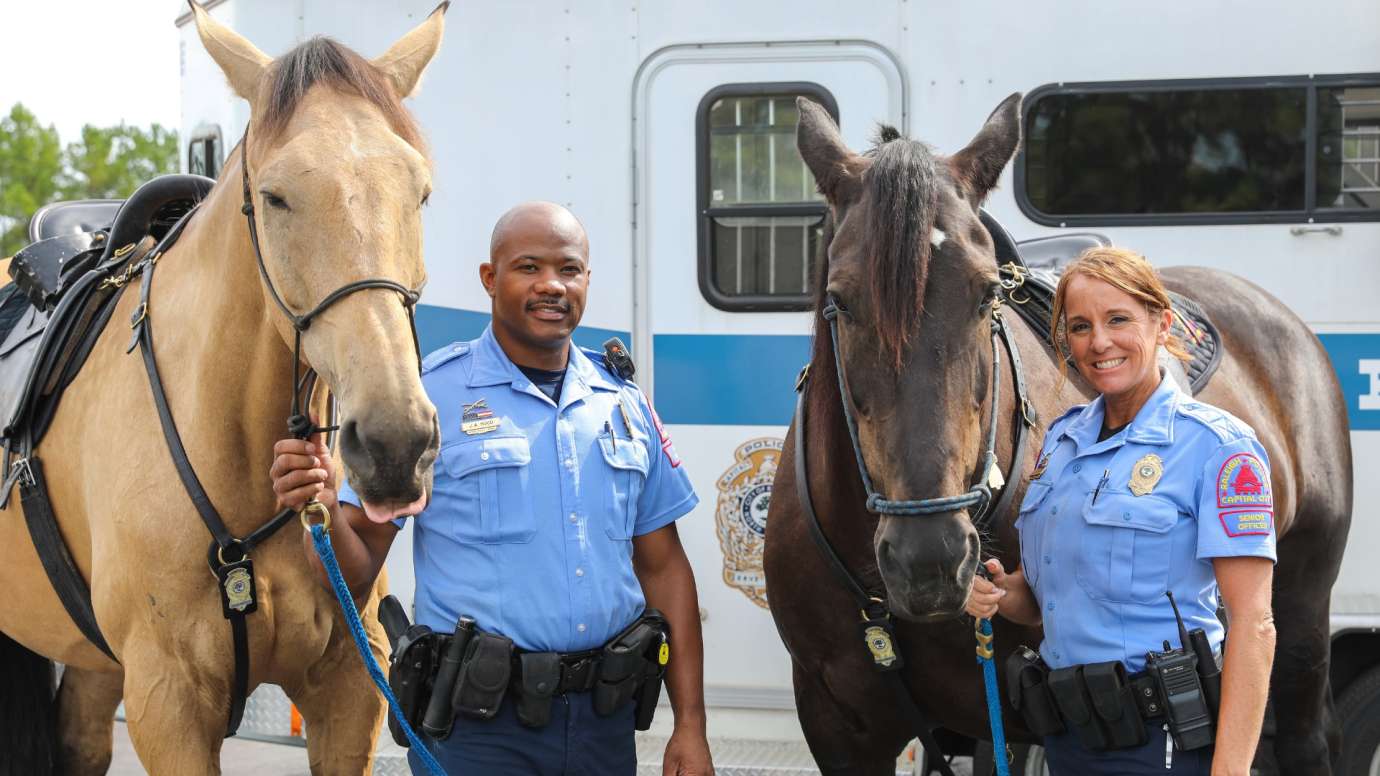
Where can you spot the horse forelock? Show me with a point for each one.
(326, 62)
(902, 185)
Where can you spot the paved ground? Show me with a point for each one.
(238, 758)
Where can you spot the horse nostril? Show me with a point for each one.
(349, 442)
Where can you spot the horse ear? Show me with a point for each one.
(242, 63)
(404, 62)
(978, 166)
(822, 147)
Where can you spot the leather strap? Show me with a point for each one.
(62, 571)
(1026, 418)
(870, 605)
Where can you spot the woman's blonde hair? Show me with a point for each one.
(1123, 269)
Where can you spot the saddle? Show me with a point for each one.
(1031, 269)
(65, 287)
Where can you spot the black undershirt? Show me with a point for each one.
(546, 381)
(1108, 433)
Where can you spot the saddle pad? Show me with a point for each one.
(1031, 295)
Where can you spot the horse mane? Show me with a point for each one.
(323, 61)
(902, 184)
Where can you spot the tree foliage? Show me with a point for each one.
(106, 163)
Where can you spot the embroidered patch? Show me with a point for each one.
(1243, 482)
(1247, 522)
(666, 446)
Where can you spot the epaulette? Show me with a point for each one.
(1226, 426)
(448, 353)
(1068, 413)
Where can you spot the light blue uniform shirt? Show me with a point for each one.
(1100, 566)
(530, 524)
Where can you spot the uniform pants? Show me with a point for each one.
(1068, 757)
(577, 742)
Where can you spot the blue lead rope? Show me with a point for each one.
(347, 604)
(989, 680)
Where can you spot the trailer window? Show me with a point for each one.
(1234, 151)
(760, 215)
(204, 153)
(1349, 149)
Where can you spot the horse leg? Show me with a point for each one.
(176, 716)
(86, 720)
(1306, 728)
(342, 710)
(842, 740)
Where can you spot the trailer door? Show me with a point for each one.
(727, 222)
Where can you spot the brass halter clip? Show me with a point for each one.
(317, 507)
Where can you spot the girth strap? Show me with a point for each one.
(62, 571)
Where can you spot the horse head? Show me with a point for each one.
(336, 174)
(909, 283)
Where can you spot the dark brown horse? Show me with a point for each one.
(909, 259)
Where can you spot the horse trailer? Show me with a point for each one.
(1240, 137)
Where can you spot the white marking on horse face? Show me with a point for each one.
(937, 237)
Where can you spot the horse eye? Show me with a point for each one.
(275, 201)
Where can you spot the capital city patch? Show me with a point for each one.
(1243, 481)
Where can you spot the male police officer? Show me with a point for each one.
(552, 519)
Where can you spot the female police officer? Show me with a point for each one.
(1141, 492)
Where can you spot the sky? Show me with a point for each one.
(75, 62)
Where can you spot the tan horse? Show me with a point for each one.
(339, 176)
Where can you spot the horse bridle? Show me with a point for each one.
(978, 498)
(299, 425)
(228, 556)
(873, 608)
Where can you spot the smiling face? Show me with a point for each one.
(537, 276)
(1113, 338)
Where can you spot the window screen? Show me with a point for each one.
(760, 215)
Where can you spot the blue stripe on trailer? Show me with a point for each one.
(439, 326)
(747, 379)
(1356, 359)
(728, 379)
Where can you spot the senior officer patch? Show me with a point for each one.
(1247, 522)
(1243, 482)
(741, 516)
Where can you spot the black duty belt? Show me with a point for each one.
(579, 670)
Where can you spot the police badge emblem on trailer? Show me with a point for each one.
(741, 516)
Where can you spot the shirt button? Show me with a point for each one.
(1125, 515)
(579, 572)
(483, 456)
(580, 627)
(1054, 510)
(1048, 560)
(574, 518)
(1078, 467)
(570, 463)
(1050, 607)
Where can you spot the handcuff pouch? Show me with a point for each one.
(539, 673)
(484, 676)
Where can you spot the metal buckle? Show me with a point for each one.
(20, 470)
(318, 508)
(141, 313)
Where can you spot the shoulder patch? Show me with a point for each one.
(667, 447)
(448, 353)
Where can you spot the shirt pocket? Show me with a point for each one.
(627, 474)
(1124, 553)
(1030, 527)
(489, 486)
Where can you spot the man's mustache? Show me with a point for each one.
(551, 303)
